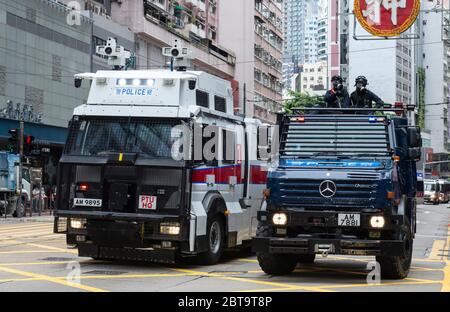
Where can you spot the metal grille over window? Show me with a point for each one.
(149, 139)
(335, 136)
(202, 99)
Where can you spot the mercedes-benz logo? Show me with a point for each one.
(327, 189)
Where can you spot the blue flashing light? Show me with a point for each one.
(373, 119)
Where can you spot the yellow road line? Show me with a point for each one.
(26, 231)
(23, 228)
(446, 279)
(30, 235)
(52, 248)
(12, 252)
(248, 280)
(30, 279)
(415, 268)
(437, 250)
(55, 280)
(329, 287)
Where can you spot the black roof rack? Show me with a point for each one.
(351, 111)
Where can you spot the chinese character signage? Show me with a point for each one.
(386, 18)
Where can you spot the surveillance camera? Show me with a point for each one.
(175, 52)
(78, 82)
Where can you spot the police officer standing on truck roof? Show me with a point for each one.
(338, 96)
(362, 97)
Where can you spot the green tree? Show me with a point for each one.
(421, 101)
(303, 100)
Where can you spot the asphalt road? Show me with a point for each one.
(32, 258)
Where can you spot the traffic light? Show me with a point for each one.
(13, 140)
(28, 144)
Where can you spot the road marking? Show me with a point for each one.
(437, 250)
(415, 268)
(12, 252)
(48, 229)
(446, 279)
(55, 280)
(329, 287)
(7, 228)
(29, 235)
(53, 248)
(45, 263)
(25, 230)
(247, 280)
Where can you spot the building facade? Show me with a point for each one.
(194, 23)
(387, 64)
(434, 58)
(255, 34)
(39, 54)
(301, 29)
(313, 78)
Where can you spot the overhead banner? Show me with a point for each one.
(386, 18)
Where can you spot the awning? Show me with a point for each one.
(51, 134)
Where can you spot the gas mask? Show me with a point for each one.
(337, 85)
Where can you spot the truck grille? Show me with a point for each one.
(350, 194)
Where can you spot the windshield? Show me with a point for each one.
(146, 137)
(336, 137)
(430, 187)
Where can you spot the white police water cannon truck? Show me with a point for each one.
(157, 167)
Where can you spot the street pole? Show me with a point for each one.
(19, 200)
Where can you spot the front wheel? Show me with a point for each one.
(397, 267)
(274, 264)
(215, 241)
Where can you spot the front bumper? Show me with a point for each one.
(275, 245)
(123, 236)
(129, 254)
(329, 219)
(310, 242)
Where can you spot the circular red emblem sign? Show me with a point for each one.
(386, 18)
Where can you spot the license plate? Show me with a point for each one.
(87, 202)
(147, 202)
(349, 219)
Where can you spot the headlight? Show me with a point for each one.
(170, 228)
(377, 222)
(279, 219)
(78, 224)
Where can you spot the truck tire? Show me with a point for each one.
(215, 236)
(397, 267)
(274, 264)
(306, 259)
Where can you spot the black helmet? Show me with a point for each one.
(361, 79)
(337, 78)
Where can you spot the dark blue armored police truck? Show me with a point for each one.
(345, 184)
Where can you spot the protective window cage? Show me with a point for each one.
(307, 136)
(149, 138)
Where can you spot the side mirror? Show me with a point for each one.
(414, 137)
(414, 153)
